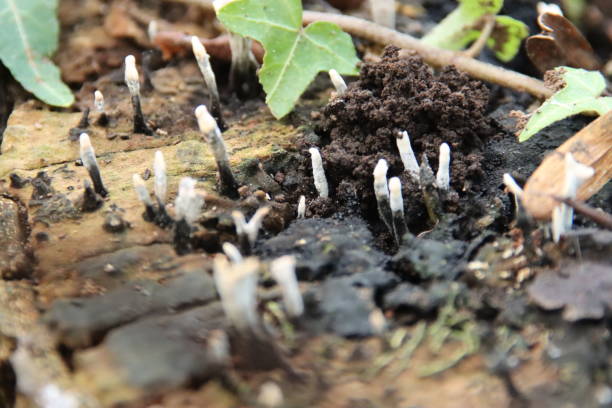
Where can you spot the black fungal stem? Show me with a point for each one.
(140, 126)
(182, 237)
(84, 122)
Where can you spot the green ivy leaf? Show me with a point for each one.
(28, 36)
(457, 30)
(579, 95)
(294, 55)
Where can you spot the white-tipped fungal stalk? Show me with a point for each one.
(443, 175)
(407, 155)
(143, 195)
(383, 12)
(244, 65)
(575, 175)
(283, 271)
(397, 209)
(513, 186)
(381, 191)
(161, 178)
(254, 225)
(132, 81)
(237, 287)
(301, 210)
(232, 252)
(203, 60)
(318, 173)
(551, 8)
(338, 82)
(188, 202)
(99, 101)
(152, 30)
(212, 134)
(88, 157)
(270, 395)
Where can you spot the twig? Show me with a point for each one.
(433, 55)
(478, 45)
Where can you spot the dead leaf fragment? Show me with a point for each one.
(560, 44)
(583, 289)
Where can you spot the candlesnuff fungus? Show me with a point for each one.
(443, 175)
(283, 272)
(187, 206)
(338, 82)
(248, 232)
(100, 108)
(407, 155)
(88, 157)
(381, 191)
(212, 134)
(301, 209)
(318, 173)
(203, 59)
(133, 83)
(563, 215)
(143, 195)
(232, 252)
(397, 209)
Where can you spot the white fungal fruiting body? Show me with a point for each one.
(513, 186)
(141, 190)
(188, 202)
(301, 210)
(161, 178)
(254, 224)
(131, 76)
(208, 126)
(237, 287)
(551, 8)
(283, 271)
(99, 101)
(203, 60)
(395, 194)
(575, 175)
(239, 222)
(338, 81)
(383, 12)
(407, 155)
(381, 188)
(152, 30)
(318, 173)
(232, 252)
(443, 175)
(270, 396)
(88, 155)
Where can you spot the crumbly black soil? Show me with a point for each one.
(402, 93)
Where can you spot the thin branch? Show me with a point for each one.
(433, 55)
(478, 45)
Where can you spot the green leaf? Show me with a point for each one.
(28, 37)
(579, 95)
(457, 29)
(294, 55)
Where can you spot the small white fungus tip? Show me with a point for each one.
(87, 153)
(188, 202)
(338, 81)
(131, 75)
(407, 155)
(161, 178)
(318, 173)
(232, 252)
(513, 186)
(206, 122)
(270, 395)
(283, 271)
(239, 222)
(301, 210)
(381, 189)
(443, 175)
(253, 226)
(395, 193)
(141, 190)
(551, 8)
(383, 12)
(99, 101)
(152, 30)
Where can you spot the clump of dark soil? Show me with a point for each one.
(403, 93)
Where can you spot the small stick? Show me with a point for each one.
(443, 175)
(99, 105)
(318, 173)
(203, 59)
(88, 157)
(407, 155)
(381, 191)
(338, 82)
(478, 45)
(143, 195)
(212, 134)
(433, 55)
(133, 83)
(397, 209)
